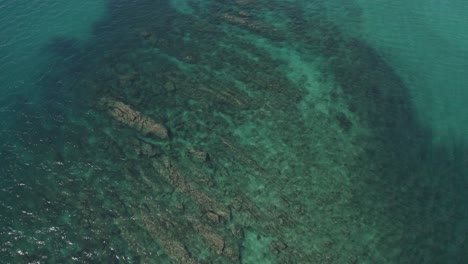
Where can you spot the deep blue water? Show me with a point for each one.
(297, 131)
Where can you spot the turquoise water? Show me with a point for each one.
(427, 43)
(243, 131)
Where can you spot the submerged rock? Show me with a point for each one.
(278, 246)
(198, 154)
(169, 86)
(221, 245)
(343, 122)
(159, 230)
(169, 171)
(213, 217)
(145, 34)
(125, 114)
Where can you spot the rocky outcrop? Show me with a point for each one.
(213, 217)
(243, 19)
(222, 246)
(169, 171)
(175, 249)
(198, 155)
(131, 117)
(240, 155)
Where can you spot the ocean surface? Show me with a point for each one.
(233, 131)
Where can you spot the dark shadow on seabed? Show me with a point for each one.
(246, 173)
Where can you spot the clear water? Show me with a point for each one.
(298, 131)
(427, 44)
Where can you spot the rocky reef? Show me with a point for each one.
(253, 132)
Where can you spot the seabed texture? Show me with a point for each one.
(244, 131)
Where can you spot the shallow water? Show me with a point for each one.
(239, 131)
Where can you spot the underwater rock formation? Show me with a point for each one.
(174, 248)
(216, 242)
(169, 171)
(271, 143)
(198, 155)
(125, 114)
(242, 19)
